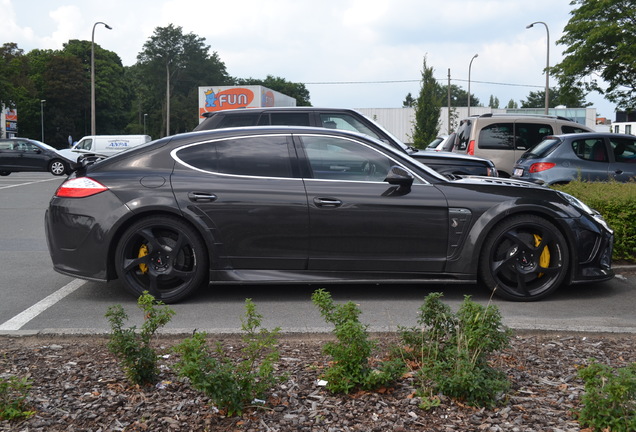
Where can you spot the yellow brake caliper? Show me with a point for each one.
(143, 251)
(544, 259)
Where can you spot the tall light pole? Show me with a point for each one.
(470, 65)
(93, 75)
(547, 62)
(145, 115)
(42, 102)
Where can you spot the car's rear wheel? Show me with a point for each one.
(524, 258)
(57, 167)
(162, 255)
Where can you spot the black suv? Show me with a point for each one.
(346, 119)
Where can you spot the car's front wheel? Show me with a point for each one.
(164, 256)
(524, 258)
(57, 167)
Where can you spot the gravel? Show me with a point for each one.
(78, 386)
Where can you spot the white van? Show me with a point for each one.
(104, 145)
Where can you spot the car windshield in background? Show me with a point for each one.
(542, 149)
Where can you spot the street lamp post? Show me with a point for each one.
(145, 115)
(547, 62)
(470, 65)
(42, 102)
(93, 75)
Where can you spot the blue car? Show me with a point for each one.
(559, 159)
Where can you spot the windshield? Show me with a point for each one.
(542, 149)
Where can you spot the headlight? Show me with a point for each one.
(587, 209)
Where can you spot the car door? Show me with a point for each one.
(33, 157)
(359, 222)
(246, 191)
(592, 163)
(623, 148)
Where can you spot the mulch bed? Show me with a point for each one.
(78, 386)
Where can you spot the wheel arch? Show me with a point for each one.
(135, 217)
(484, 225)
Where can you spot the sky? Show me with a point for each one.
(348, 53)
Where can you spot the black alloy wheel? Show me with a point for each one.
(164, 256)
(524, 258)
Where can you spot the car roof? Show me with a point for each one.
(263, 109)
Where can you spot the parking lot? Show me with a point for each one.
(36, 299)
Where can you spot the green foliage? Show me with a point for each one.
(609, 402)
(427, 109)
(13, 394)
(232, 385)
(600, 41)
(617, 203)
(351, 367)
(295, 90)
(450, 351)
(571, 97)
(132, 347)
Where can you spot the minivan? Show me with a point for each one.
(503, 138)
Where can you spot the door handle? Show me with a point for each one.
(327, 202)
(201, 197)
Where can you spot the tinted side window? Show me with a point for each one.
(251, 156)
(345, 122)
(592, 149)
(496, 136)
(289, 119)
(572, 129)
(237, 120)
(527, 135)
(334, 158)
(624, 149)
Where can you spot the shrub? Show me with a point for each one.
(232, 385)
(133, 348)
(617, 203)
(351, 367)
(609, 402)
(13, 394)
(450, 351)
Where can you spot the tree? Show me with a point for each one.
(558, 96)
(601, 42)
(296, 90)
(174, 65)
(408, 101)
(459, 96)
(427, 109)
(493, 102)
(513, 104)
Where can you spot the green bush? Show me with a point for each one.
(617, 203)
(232, 385)
(133, 348)
(13, 394)
(609, 402)
(351, 367)
(450, 351)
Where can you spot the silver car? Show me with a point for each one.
(560, 159)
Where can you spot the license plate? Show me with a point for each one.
(518, 172)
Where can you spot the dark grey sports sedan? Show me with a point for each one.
(309, 205)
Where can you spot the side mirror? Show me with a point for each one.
(399, 176)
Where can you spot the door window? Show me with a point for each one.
(289, 119)
(346, 122)
(247, 156)
(592, 149)
(624, 149)
(332, 158)
(528, 135)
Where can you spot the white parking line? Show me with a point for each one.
(28, 183)
(27, 315)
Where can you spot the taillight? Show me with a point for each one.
(471, 148)
(80, 187)
(541, 166)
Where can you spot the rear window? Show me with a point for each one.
(463, 134)
(542, 149)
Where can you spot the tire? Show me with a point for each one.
(524, 258)
(57, 167)
(164, 256)
(5, 173)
